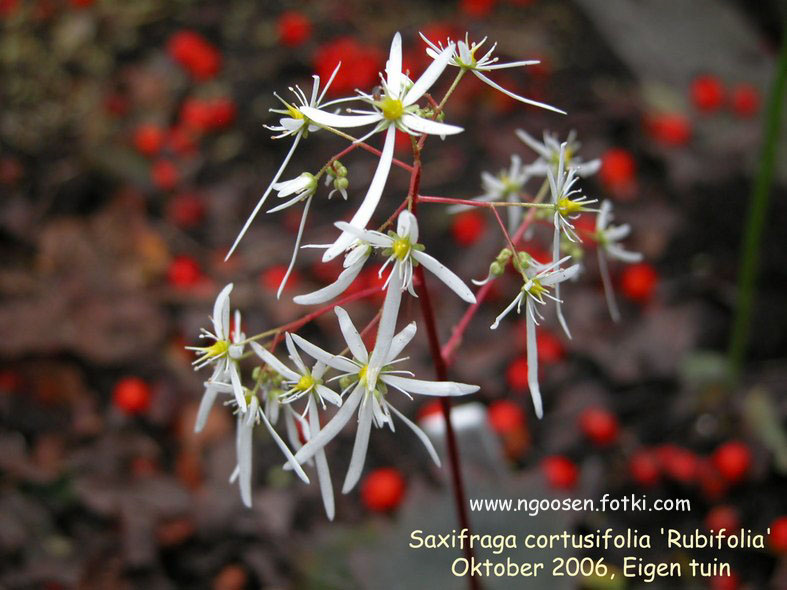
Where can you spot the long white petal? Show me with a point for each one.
(294, 355)
(421, 125)
(436, 388)
(332, 428)
(609, 292)
(295, 248)
(420, 434)
(386, 329)
(273, 362)
(264, 196)
(237, 386)
(337, 362)
(374, 238)
(339, 121)
(285, 449)
(533, 144)
(445, 274)
(393, 67)
(534, 103)
(205, 405)
(344, 280)
(429, 77)
(532, 361)
(604, 215)
(243, 450)
(359, 447)
(323, 472)
(624, 255)
(369, 204)
(351, 336)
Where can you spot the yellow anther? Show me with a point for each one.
(536, 288)
(392, 108)
(567, 207)
(305, 383)
(401, 248)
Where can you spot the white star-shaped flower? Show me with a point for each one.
(549, 153)
(539, 278)
(397, 108)
(464, 57)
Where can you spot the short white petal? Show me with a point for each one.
(273, 362)
(237, 386)
(351, 336)
(407, 225)
(221, 314)
(393, 67)
(560, 275)
(400, 341)
(329, 395)
(429, 77)
(445, 274)
(337, 362)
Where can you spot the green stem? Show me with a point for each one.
(755, 221)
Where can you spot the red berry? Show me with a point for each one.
(745, 100)
(778, 536)
(195, 54)
(644, 468)
(638, 281)
(272, 277)
(360, 64)
(561, 473)
(680, 464)
(196, 114)
(477, 8)
(294, 29)
(670, 129)
(732, 460)
(132, 395)
(723, 517)
(184, 272)
(182, 139)
(707, 93)
(164, 175)
(148, 139)
(433, 408)
(516, 375)
(550, 348)
(222, 113)
(383, 489)
(467, 227)
(617, 169)
(728, 582)
(599, 425)
(186, 210)
(505, 416)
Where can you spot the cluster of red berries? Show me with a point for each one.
(195, 54)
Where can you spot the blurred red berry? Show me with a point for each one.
(184, 272)
(505, 416)
(195, 54)
(132, 395)
(617, 169)
(467, 227)
(644, 468)
(383, 489)
(272, 277)
(711, 482)
(680, 464)
(732, 460)
(196, 114)
(561, 472)
(8, 7)
(433, 408)
(148, 139)
(745, 100)
(723, 517)
(707, 93)
(182, 140)
(476, 8)
(294, 29)
(186, 210)
(360, 64)
(164, 175)
(600, 426)
(222, 113)
(516, 374)
(778, 537)
(728, 582)
(81, 3)
(670, 129)
(638, 281)
(550, 348)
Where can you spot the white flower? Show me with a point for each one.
(404, 251)
(506, 186)
(395, 109)
(369, 377)
(295, 125)
(464, 57)
(549, 153)
(356, 257)
(608, 237)
(305, 382)
(246, 421)
(536, 287)
(566, 208)
(224, 354)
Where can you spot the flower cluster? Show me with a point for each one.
(316, 393)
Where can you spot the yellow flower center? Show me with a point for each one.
(567, 207)
(218, 349)
(392, 108)
(362, 374)
(401, 248)
(305, 383)
(294, 112)
(537, 289)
